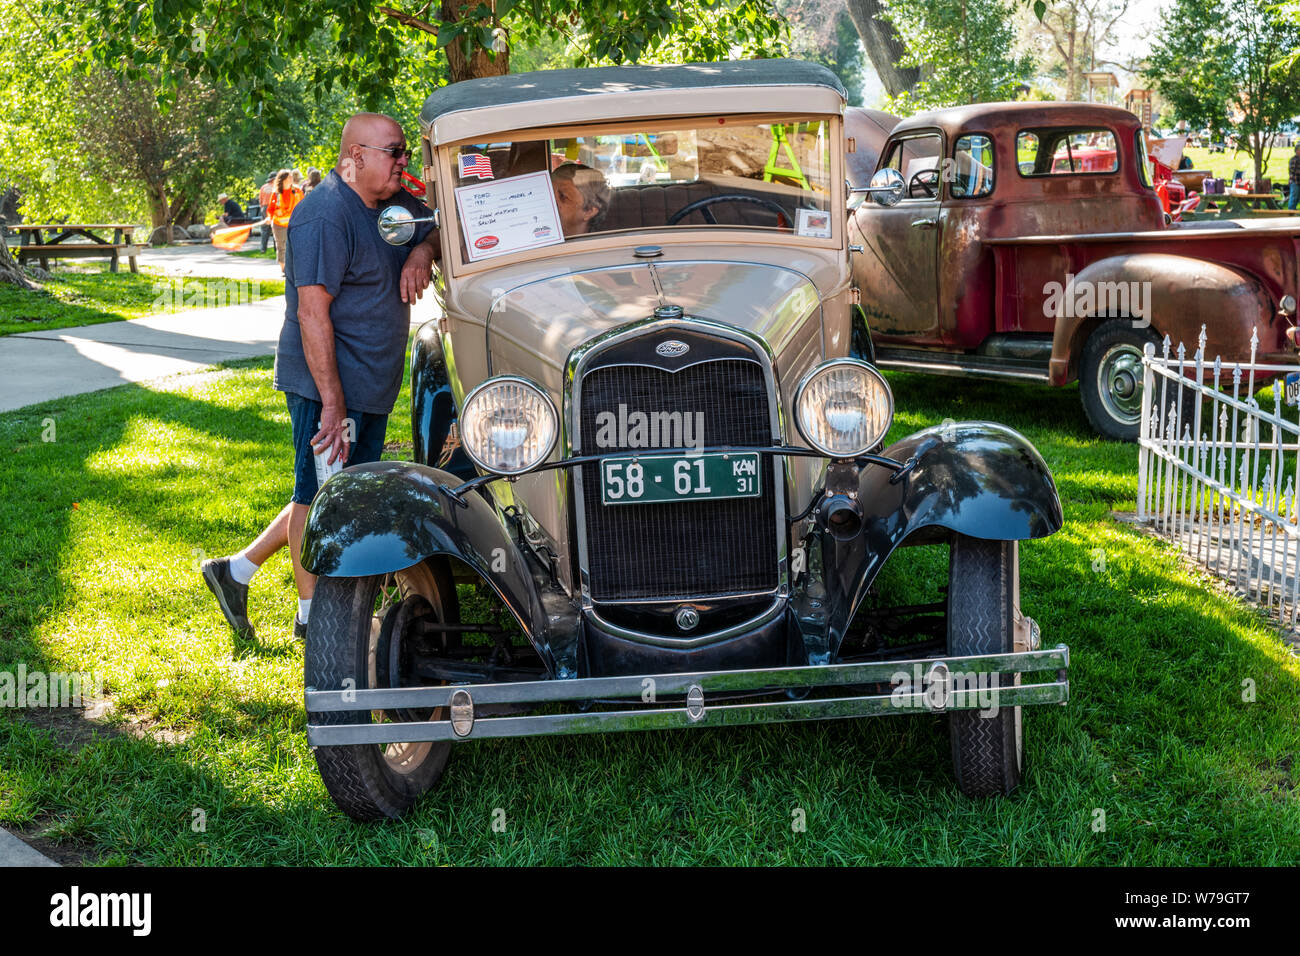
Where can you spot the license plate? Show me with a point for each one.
(658, 478)
(1293, 388)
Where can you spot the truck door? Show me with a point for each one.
(898, 275)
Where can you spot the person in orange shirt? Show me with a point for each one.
(263, 200)
(279, 209)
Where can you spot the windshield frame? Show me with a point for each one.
(456, 263)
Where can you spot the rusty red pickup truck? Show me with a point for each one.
(1025, 241)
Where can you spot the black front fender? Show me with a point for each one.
(974, 478)
(389, 515)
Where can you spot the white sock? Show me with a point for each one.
(304, 608)
(242, 569)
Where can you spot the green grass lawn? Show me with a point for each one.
(1223, 164)
(72, 298)
(106, 525)
(256, 253)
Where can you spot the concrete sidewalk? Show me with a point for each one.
(14, 852)
(208, 261)
(38, 366)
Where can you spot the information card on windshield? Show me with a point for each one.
(507, 215)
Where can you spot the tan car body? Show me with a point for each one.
(526, 313)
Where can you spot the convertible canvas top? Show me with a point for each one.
(473, 108)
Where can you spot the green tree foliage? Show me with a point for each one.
(963, 49)
(822, 31)
(1074, 36)
(247, 45)
(1229, 66)
(40, 153)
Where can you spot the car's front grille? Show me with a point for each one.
(681, 549)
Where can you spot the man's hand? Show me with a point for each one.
(335, 432)
(417, 272)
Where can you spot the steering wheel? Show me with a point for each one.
(927, 179)
(703, 206)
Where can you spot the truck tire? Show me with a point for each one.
(344, 632)
(1110, 379)
(988, 752)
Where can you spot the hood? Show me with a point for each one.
(534, 326)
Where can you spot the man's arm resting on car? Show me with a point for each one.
(318, 347)
(419, 267)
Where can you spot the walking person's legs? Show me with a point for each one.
(229, 577)
(281, 240)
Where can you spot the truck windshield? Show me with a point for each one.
(724, 172)
(1064, 152)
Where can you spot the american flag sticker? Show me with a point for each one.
(475, 164)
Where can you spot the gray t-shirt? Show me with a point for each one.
(334, 242)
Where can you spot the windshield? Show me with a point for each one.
(723, 172)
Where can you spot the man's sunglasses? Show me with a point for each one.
(397, 152)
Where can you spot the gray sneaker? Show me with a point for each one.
(299, 629)
(231, 595)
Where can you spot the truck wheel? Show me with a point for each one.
(988, 752)
(356, 632)
(1110, 380)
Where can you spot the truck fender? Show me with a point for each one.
(974, 478)
(389, 515)
(1174, 295)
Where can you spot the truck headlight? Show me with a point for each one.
(508, 425)
(843, 408)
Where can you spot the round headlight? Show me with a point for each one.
(843, 408)
(508, 425)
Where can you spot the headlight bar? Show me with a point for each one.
(899, 468)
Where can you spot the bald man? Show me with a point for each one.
(343, 342)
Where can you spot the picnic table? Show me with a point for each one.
(62, 240)
(1217, 206)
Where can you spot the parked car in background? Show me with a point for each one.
(1031, 246)
(644, 450)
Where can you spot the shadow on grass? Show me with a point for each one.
(1157, 734)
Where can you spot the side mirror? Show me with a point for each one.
(887, 187)
(397, 225)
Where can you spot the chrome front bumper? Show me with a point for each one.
(924, 685)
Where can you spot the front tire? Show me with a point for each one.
(345, 641)
(988, 752)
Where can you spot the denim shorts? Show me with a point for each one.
(305, 415)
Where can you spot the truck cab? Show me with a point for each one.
(1026, 229)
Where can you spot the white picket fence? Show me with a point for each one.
(1224, 484)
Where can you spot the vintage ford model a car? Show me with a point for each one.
(640, 434)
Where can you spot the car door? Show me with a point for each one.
(897, 269)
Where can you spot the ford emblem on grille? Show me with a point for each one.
(672, 348)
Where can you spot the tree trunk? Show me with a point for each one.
(883, 46)
(183, 210)
(479, 62)
(9, 271)
(158, 207)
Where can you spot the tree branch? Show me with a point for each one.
(407, 20)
